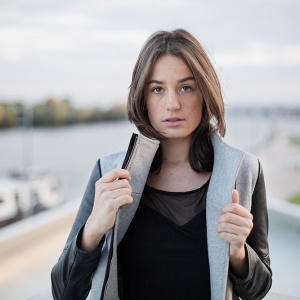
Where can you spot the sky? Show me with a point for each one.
(86, 50)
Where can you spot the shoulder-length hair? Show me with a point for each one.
(183, 45)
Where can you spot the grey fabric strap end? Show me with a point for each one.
(138, 166)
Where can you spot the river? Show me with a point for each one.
(71, 152)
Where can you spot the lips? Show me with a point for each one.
(173, 122)
(174, 119)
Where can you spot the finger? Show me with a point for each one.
(114, 175)
(116, 193)
(123, 201)
(233, 239)
(241, 231)
(235, 209)
(102, 187)
(235, 196)
(113, 205)
(238, 219)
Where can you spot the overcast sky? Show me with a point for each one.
(86, 50)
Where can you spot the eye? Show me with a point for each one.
(157, 90)
(186, 89)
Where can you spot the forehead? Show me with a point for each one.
(170, 67)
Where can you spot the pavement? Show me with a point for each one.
(30, 248)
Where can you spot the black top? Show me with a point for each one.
(160, 259)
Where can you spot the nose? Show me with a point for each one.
(172, 101)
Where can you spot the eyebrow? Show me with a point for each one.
(180, 80)
(186, 79)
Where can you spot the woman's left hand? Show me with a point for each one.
(235, 224)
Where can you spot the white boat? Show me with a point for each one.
(26, 192)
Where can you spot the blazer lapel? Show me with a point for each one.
(139, 165)
(226, 164)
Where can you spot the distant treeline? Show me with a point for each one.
(55, 112)
(265, 111)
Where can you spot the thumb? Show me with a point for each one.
(235, 196)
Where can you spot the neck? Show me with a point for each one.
(175, 151)
(176, 173)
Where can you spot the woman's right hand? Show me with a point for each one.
(112, 191)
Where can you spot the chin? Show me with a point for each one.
(177, 135)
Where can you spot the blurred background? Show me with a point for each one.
(65, 69)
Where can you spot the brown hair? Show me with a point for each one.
(183, 45)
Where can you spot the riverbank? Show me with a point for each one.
(281, 165)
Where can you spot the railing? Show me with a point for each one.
(33, 232)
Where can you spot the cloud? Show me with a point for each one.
(87, 49)
(260, 56)
(20, 42)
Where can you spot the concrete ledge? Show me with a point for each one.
(275, 296)
(26, 231)
(285, 212)
(35, 226)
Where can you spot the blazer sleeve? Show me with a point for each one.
(71, 276)
(259, 279)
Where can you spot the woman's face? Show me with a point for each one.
(173, 100)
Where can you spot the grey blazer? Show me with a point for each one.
(232, 167)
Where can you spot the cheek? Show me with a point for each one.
(195, 110)
(199, 109)
(152, 111)
(154, 119)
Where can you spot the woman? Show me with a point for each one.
(181, 215)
